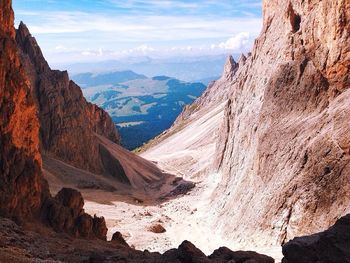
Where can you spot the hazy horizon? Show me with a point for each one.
(88, 31)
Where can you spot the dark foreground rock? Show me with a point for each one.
(65, 213)
(41, 244)
(331, 246)
(118, 238)
(224, 254)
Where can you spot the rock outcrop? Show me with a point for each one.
(332, 245)
(68, 122)
(65, 213)
(282, 149)
(24, 193)
(223, 254)
(20, 245)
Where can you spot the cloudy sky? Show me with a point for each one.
(91, 30)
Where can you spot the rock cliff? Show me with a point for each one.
(22, 188)
(68, 122)
(24, 193)
(282, 144)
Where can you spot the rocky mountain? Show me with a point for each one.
(75, 131)
(141, 107)
(274, 128)
(97, 79)
(68, 122)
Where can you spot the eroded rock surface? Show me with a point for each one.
(75, 131)
(65, 213)
(284, 145)
(282, 148)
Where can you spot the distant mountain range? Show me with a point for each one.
(90, 79)
(189, 69)
(141, 107)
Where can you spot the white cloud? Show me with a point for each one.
(143, 28)
(236, 43)
(147, 4)
(145, 48)
(75, 36)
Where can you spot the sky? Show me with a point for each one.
(70, 31)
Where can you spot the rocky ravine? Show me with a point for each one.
(25, 195)
(282, 142)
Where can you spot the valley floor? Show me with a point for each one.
(185, 218)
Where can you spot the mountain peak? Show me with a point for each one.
(242, 59)
(29, 45)
(230, 67)
(23, 30)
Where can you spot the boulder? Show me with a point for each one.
(118, 238)
(224, 254)
(331, 246)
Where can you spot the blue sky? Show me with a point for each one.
(86, 30)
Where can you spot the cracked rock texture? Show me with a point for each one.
(21, 185)
(282, 143)
(284, 149)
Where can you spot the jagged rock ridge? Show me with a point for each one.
(284, 149)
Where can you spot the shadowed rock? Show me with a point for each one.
(224, 254)
(118, 238)
(331, 246)
(65, 213)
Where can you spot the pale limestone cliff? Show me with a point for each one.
(282, 145)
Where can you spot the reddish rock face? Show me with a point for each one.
(24, 194)
(68, 121)
(21, 185)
